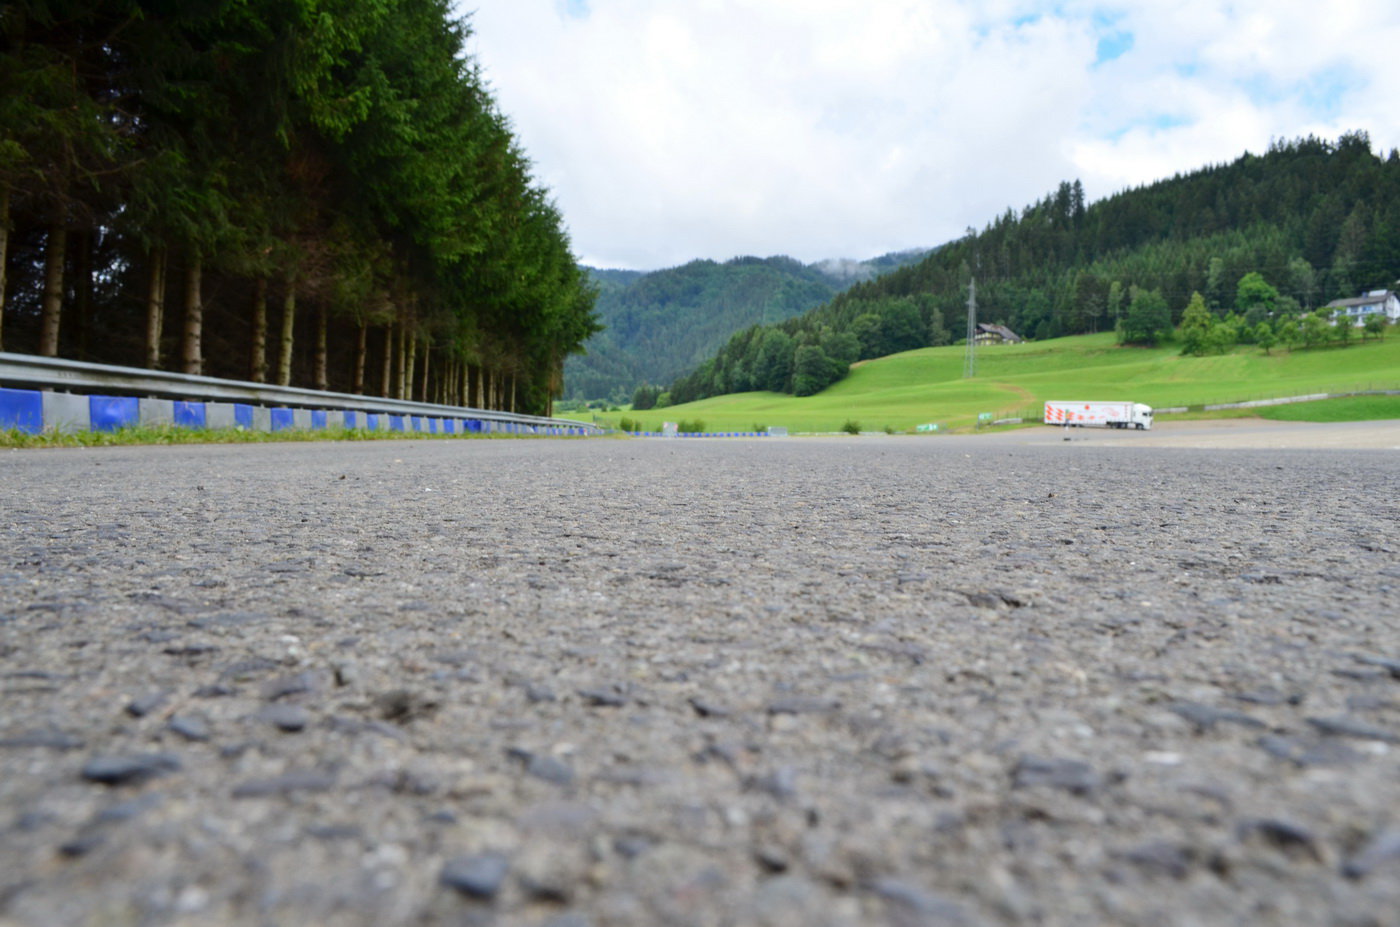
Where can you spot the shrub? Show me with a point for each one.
(1148, 318)
(690, 428)
(628, 425)
(851, 428)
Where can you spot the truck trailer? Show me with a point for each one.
(1098, 414)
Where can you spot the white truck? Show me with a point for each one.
(1099, 414)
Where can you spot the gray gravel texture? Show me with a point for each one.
(807, 682)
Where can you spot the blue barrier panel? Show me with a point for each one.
(352, 419)
(432, 426)
(108, 413)
(282, 419)
(416, 422)
(474, 426)
(396, 423)
(449, 426)
(318, 418)
(190, 414)
(372, 421)
(243, 415)
(22, 409)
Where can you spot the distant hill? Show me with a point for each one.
(1318, 219)
(660, 324)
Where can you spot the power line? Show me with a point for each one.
(970, 364)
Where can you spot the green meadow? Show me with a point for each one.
(927, 386)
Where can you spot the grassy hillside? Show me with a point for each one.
(925, 386)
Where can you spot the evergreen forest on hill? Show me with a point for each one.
(1317, 220)
(319, 193)
(658, 325)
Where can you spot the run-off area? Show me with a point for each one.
(812, 681)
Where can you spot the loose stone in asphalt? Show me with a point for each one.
(813, 681)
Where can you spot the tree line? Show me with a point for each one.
(1264, 317)
(313, 192)
(1320, 219)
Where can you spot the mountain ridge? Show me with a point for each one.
(659, 324)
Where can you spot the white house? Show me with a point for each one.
(1384, 302)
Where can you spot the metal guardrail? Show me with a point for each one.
(81, 377)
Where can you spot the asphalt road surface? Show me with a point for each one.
(838, 681)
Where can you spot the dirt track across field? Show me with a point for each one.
(1224, 433)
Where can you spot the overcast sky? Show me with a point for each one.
(668, 130)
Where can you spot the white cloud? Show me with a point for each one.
(827, 128)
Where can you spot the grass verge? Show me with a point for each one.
(171, 435)
(1345, 409)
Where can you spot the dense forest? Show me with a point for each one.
(660, 324)
(320, 193)
(1318, 220)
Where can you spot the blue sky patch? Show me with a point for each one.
(1159, 122)
(574, 9)
(1321, 93)
(1324, 91)
(1113, 45)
